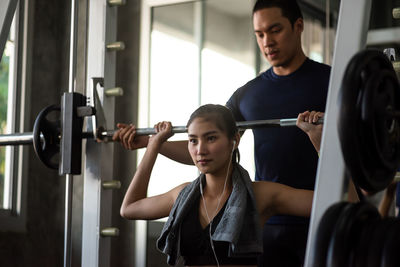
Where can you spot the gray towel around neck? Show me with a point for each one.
(239, 225)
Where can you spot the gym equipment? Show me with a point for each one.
(368, 124)
(354, 234)
(396, 13)
(45, 137)
(347, 232)
(324, 232)
(58, 143)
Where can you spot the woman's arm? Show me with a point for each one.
(136, 204)
(387, 199)
(177, 151)
(274, 198)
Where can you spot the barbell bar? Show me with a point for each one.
(242, 125)
(27, 138)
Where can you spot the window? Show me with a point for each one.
(201, 52)
(7, 88)
(12, 103)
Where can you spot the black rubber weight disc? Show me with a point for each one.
(324, 232)
(378, 240)
(355, 135)
(347, 232)
(390, 253)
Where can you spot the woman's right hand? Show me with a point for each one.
(126, 135)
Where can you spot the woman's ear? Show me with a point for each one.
(236, 140)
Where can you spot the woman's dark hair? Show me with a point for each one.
(290, 8)
(223, 119)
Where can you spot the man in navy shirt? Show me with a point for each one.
(291, 86)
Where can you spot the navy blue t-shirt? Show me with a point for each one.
(283, 154)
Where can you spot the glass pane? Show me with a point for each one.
(228, 59)
(173, 84)
(6, 116)
(4, 85)
(4, 64)
(312, 40)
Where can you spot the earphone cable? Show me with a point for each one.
(215, 212)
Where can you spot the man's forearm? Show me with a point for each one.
(178, 151)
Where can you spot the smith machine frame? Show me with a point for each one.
(98, 105)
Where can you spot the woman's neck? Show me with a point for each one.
(215, 183)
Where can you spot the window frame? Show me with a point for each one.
(13, 219)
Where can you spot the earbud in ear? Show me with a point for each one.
(234, 144)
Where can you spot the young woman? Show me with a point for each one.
(215, 220)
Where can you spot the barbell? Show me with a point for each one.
(28, 137)
(48, 134)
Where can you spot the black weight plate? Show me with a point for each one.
(382, 94)
(347, 232)
(358, 254)
(378, 239)
(324, 232)
(390, 253)
(351, 132)
(48, 150)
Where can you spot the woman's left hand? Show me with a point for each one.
(163, 132)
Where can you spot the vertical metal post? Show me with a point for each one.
(70, 178)
(97, 203)
(350, 38)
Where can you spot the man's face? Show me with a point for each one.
(278, 41)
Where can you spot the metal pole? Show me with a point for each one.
(242, 125)
(351, 37)
(27, 138)
(68, 177)
(16, 139)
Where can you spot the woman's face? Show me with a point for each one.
(209, 147)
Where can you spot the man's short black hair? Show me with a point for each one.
(290, 8)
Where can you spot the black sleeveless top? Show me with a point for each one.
(195, 242)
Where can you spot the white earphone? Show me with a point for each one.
(234, 144)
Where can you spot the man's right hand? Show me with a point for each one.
(126, 135)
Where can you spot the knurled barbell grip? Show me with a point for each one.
(242, 125)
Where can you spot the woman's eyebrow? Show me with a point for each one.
(204, 134)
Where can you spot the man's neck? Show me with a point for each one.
(292, 66)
